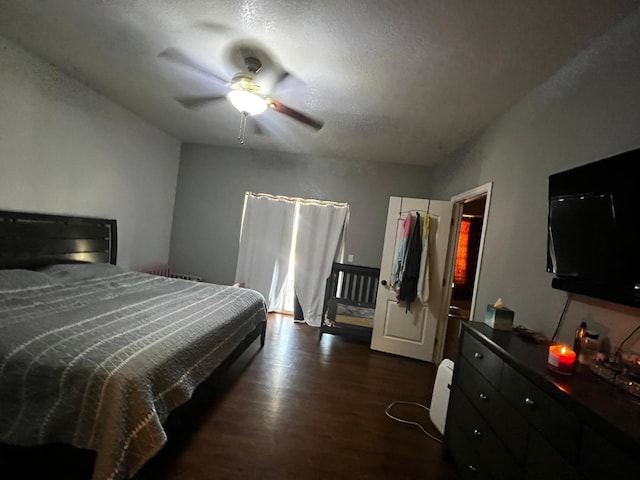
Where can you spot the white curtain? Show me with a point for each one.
(320, 233)
(265, 247)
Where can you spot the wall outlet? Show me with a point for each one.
(350, 258)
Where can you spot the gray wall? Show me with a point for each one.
(66, 149)
(212, 182)
(588, 110)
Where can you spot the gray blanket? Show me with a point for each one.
(100, 363)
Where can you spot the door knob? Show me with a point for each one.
(384, 283)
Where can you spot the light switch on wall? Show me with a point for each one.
(350, 258)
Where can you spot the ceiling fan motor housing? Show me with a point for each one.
(253, 64)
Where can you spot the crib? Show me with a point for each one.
(166, 270)
(350, 301)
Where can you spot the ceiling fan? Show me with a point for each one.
(245, 90)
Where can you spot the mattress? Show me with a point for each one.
(354, 315)
(97, 358)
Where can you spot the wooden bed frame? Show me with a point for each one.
(349, 285)
(32, 240)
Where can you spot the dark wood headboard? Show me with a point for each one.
(31, 240)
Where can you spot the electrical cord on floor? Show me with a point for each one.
(401, 420)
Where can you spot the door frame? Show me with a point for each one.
(460, 199)
(469, 196)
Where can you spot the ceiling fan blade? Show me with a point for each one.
(194, 102)
(287, 81)
(176, 56)
(296, 115)
(215, 27)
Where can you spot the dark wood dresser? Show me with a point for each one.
(511, 418)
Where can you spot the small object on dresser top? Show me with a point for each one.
(561, 359)
(498, 316)
(606, 369)
(588, 348)
(620, 372)
(530, 335)
(580, 333)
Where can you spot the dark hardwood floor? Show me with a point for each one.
(297, 409)
(304, 409)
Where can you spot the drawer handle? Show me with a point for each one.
(477, 355)
(477, 432)
(530, 402)
(472, 468)
(483, 397)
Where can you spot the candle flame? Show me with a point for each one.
(563, 350)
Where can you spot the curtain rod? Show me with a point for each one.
(305, 201)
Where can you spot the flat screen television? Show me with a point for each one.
(593, 247)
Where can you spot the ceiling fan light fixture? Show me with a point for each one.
(247, 102)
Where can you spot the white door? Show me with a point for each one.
(413, 333)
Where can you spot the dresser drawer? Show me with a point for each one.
(483, 440)
(557, 424)
(467, 461)
(599, 458)
(483, 359)
(507, 423)
(544, 462)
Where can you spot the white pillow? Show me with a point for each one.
(78, 272)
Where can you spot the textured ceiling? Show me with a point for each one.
(399, 81)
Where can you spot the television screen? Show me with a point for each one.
(583, 238)
(592, 246)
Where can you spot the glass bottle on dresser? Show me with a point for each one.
(588, 348)
(580, 333)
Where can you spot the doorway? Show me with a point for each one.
(467, 262)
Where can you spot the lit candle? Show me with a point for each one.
(561, 359)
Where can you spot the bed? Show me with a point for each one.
(95, 356)
(350, 301)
